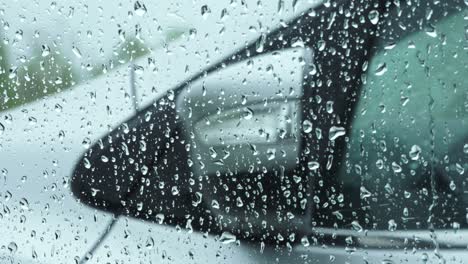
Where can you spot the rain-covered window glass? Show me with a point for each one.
(240, 131)
(408, 146)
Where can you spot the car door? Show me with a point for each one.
(403, 154)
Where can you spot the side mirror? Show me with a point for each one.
(221, 154)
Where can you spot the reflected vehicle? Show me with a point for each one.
(345, 128)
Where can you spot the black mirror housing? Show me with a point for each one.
(132, 169)
(229, 167)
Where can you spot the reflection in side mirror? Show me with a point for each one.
(220, 155)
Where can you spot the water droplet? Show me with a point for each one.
(374, 17)
(329, 107)
(381, 69)
(239, 202)
(244, 99)
(86, 163)
(318, 133)
(431, 31)
(215, 204)
(219, 162)
(364, 193)
(259, 45)
(404, 100)
(12, 247)
(94, 191)
(76, 51)
(19, 34)
(139, 70)
(248, 113)
(294, 4)
(213, 152)
(392, 225)
(58, 234)
(407, 194)
(32, 120)
(452, 186)
(356, 226)
(388, 188)
(140, 206)
(58, 108)
(160, 219)
(12, 73)
(297, 42)
(282, 133)
(121, 33)
(224, 14)
(144, 169)
(280, 6)
(7, 196)
(271, 153)
(316, 199)
(149, 243)
(340, 198)
(2, 128)
(61, 135)
(86, 142)
(313, 165)
(380, 164)
(329, 162)
(465, 147)
(227, 238)
(336, 132)
(24, 204)
(189, 163)
(424, 257)
(45, 50)
(415, 152)
(460, 169)
(405, 212)
(321, 44)
(140, 8)
(307, 126)
(104, 158)
(338, 215)
(205, 11)
(175, 190)
(305, 241)
(396, 167)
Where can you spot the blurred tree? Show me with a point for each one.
(47, 71)
(40, 76)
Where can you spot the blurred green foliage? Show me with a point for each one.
(39, 76)
(45, 73)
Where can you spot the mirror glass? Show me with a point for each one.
(243, 129)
